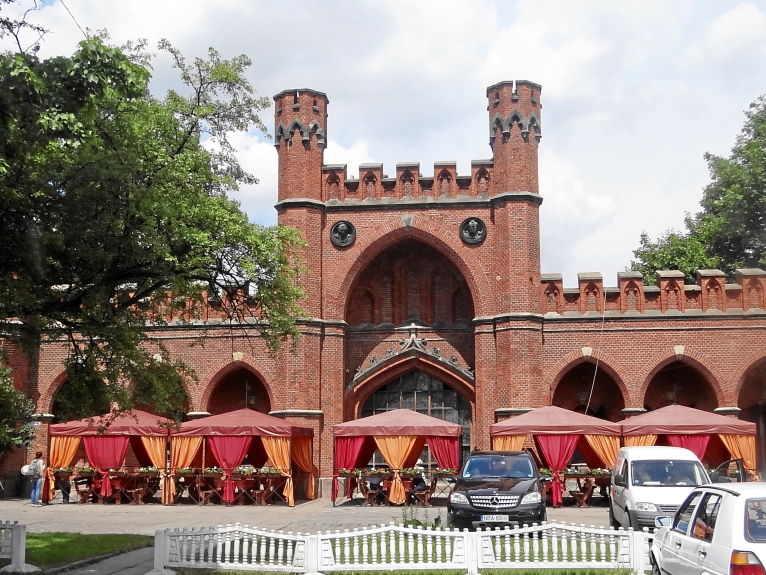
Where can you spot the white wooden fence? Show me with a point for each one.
(13, 546)
(396, 547)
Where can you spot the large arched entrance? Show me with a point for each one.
(426, 394)
(410, 282)
(239, 389)
(680, 383)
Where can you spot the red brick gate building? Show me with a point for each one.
(424, 291)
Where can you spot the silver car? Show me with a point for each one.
(719, 529)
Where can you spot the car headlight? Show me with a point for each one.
(646, 506)
(458, 498)
(533, 497)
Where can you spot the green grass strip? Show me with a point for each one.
(46, 550)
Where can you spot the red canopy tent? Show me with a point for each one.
(106, 440)
(229, 436)
(556, 432)
(400, 435)
(693, 428)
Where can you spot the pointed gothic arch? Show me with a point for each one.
(236, 386)
(591, 388)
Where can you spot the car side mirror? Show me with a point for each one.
(619, 480)
(662, 521)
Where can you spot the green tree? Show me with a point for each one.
(15, 414)
(116, 213)
(730, 230)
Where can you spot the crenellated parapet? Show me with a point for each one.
(711, 294)
(515, 128)
(408, 184)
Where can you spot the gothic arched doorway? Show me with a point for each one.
(426, 394)
(239, 389)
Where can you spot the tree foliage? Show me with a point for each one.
(730, 230)
(115, 208)
(15, 414)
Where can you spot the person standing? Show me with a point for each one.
(36, 471)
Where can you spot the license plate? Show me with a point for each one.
(494, 518)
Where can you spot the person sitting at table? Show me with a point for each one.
(418, 482)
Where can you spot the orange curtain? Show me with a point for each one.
(741, 447)
(508, 442)
(278, 450)
(605, 446)
(156, 449)
(396, 450)
(182, 452)
(632, 440)
(302, 447)
(63, 450)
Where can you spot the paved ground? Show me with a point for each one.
(305, 517)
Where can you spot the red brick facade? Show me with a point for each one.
(411, 284)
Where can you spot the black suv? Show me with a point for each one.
(497, 488)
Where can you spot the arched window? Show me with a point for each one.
(426, 394)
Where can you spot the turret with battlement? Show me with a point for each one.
(300, 136)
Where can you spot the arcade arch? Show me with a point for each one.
(573, 392)
(681, 383)
(752, 402)
(237, 388)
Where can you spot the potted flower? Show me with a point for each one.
(345, 472)
(445, 471)
(244, 470)
(214, 471)
(148, 471)
(87, 472)
(62, 473)
(270, 471)
(185, 471)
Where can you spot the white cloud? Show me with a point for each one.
(634, 93)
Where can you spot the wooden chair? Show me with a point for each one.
(583, 494)
(370, 495)
(210, 488)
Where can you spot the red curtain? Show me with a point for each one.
(106, 452)
(697, 444)
(557, 450)
(229, 451)
(350, 452)
(446, 450)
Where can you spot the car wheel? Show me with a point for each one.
(612, 521)
(632, 521)
(655, 567)
(454, 522)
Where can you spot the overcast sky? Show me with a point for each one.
(634, 93)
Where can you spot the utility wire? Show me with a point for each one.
(73, 18)
(600, 340)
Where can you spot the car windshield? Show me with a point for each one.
(668, 472)
(755, 514)
(498, 466)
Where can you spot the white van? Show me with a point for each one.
(648, 482)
